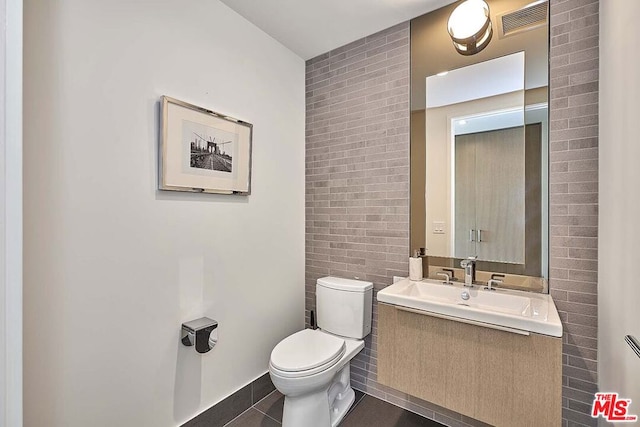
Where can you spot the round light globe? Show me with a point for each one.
(470, 26)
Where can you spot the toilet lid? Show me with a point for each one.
(306, 350)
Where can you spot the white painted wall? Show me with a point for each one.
(619, 215)
(113, 266)
(11, 213)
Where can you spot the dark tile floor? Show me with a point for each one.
(367, 411)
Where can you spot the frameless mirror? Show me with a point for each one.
(475, 158)
(479, 150)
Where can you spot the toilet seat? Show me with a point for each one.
(306, 353)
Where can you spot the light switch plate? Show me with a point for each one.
(438, 227)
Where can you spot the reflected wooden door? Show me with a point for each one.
(500, 191)
(490, 195)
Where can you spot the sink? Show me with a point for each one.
(517, 311)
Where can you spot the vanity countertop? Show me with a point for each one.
(516, 311)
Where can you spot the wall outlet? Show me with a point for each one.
(438, 227)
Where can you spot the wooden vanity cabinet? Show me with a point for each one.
(497, 377)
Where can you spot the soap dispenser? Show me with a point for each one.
(415, 266)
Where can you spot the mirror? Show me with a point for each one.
(475, 161)
(479, 145)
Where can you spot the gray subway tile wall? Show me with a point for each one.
(357, 188)
(573, 182)
(357, 170)
(357, 161)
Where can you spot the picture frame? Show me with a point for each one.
(203, 151)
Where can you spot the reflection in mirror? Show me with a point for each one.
(479, 154)
(475, 174)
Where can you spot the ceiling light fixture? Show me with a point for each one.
(470, 27)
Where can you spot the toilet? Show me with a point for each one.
(311, 367)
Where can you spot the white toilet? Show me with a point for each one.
(311, 367)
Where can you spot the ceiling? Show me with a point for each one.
(311, 28)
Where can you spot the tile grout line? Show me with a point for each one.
(262, 412)
(270, 393)
(268, 416)
(238, 416)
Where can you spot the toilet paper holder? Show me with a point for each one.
(203, 333)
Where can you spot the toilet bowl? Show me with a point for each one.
(321, 393)
(311, 367)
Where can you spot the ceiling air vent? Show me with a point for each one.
(531, 16)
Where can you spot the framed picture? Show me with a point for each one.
(203, 151)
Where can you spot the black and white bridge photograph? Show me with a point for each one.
(210, 148)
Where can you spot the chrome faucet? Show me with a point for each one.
(469, 266)
(491, 284)
(447, 280)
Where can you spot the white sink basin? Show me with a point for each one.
(517, 310)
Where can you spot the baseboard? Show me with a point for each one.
(229, 408)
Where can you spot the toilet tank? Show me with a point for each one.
(343, 306)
